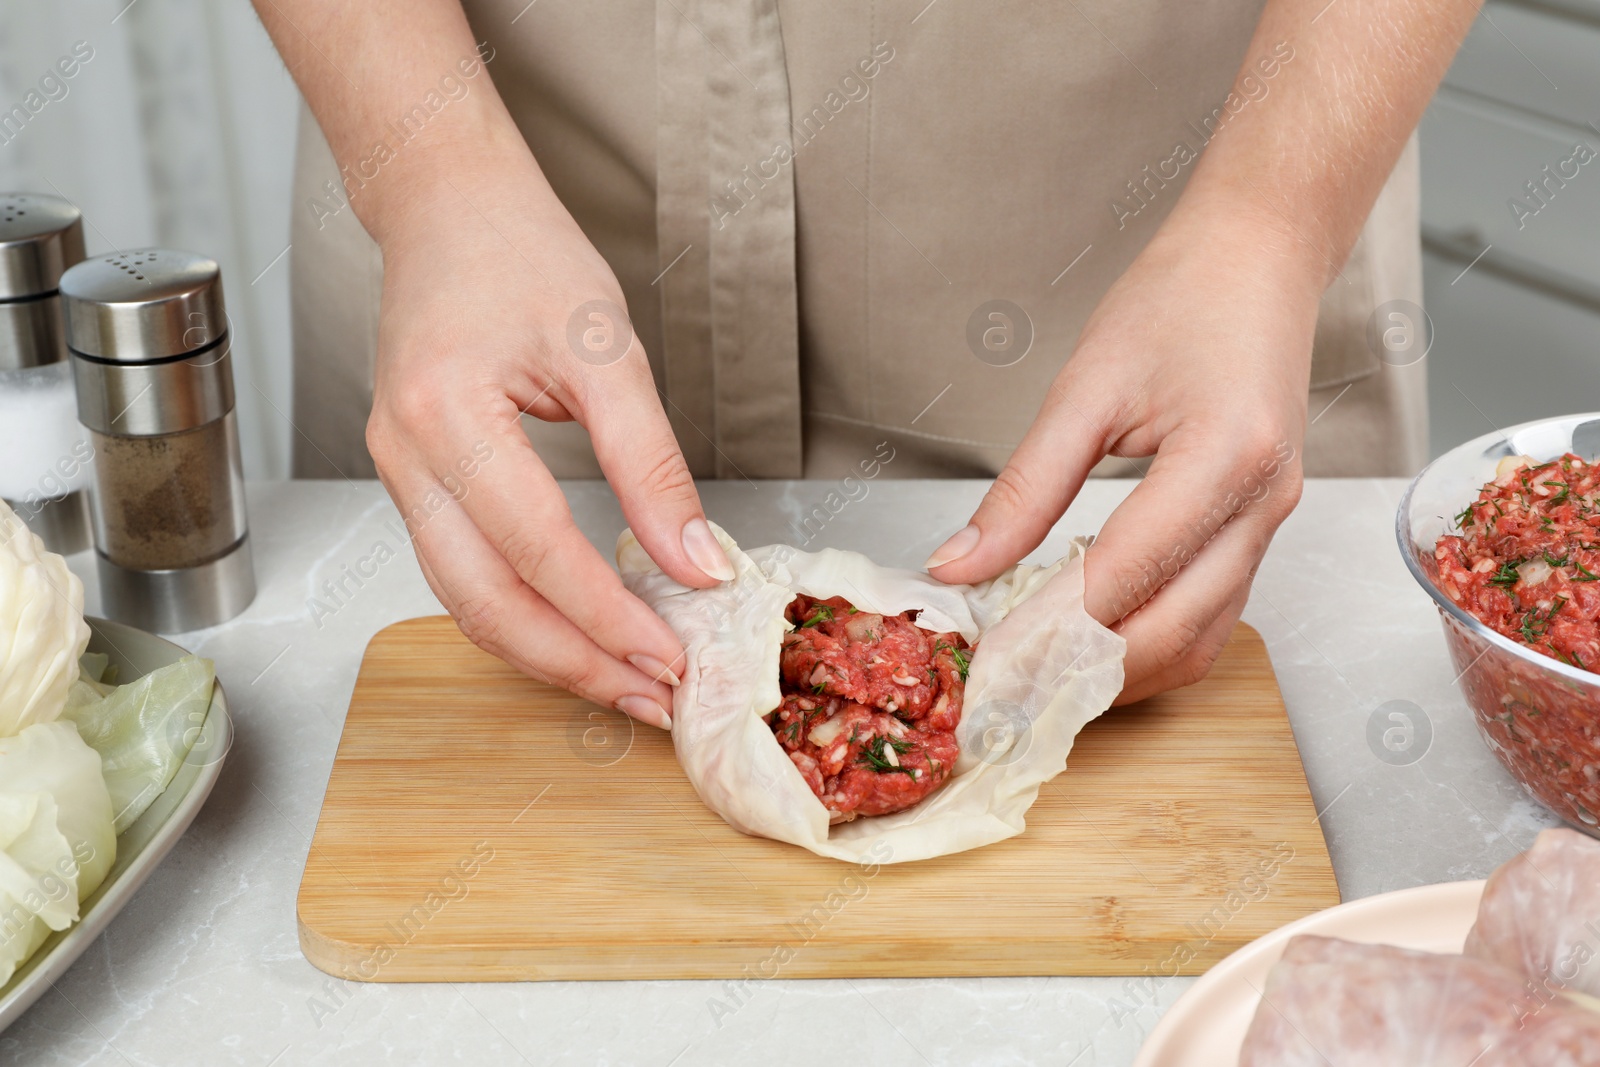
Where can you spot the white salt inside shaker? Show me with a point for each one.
(44, 455)
(45, 448)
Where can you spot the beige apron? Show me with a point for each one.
(809, 205)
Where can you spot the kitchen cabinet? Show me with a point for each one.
(1511, 197)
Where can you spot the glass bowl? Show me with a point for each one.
(1538, 715)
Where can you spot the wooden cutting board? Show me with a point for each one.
(480, 826)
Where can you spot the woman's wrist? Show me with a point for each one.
(398, 190)
(1252, 235)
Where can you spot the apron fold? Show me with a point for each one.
(725, 224)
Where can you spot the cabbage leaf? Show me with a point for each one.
(143, 730)
(57, 840)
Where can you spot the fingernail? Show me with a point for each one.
(963, 541)
(653, 667)
(645, 710)
(700, 544)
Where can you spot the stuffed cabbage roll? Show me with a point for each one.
(1333, 1003)
(1540, 914)
(1040, 669)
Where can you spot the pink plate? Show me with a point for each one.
(1206, 1027)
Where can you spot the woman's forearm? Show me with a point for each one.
(1302, 152)
(407, 105)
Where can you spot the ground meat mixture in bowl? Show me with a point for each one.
(870, 705)
(1527, 559)
(1504, 533)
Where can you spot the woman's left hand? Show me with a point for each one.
(1200, 356)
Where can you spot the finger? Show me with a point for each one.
(1030, 494)
(1196, 664)
(516, 503)
(639, 454)
(539, 397)
(1196, 486)
(1165, 633)
(1166, 627)
(498, 612)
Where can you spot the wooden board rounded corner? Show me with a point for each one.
(327, 954)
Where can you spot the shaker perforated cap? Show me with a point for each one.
(40, 237)
(144, 305)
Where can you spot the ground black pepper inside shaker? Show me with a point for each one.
(152, 361)
(173, 503)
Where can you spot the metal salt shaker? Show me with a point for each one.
(40, 237)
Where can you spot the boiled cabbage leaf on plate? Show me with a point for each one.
(69, 787)
(142, 730)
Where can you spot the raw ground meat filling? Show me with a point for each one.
(870, 706)
(1527, 560)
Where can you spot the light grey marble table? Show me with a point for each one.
(203, 966)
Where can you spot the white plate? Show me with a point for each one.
(144, 844)
(1206, 1027)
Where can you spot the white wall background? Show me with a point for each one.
(178, 132)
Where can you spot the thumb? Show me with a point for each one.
(1030, 494)
(640, 457)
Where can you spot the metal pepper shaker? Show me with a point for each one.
(45, 475)
(151, 355)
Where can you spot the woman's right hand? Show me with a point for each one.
(486, 278)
